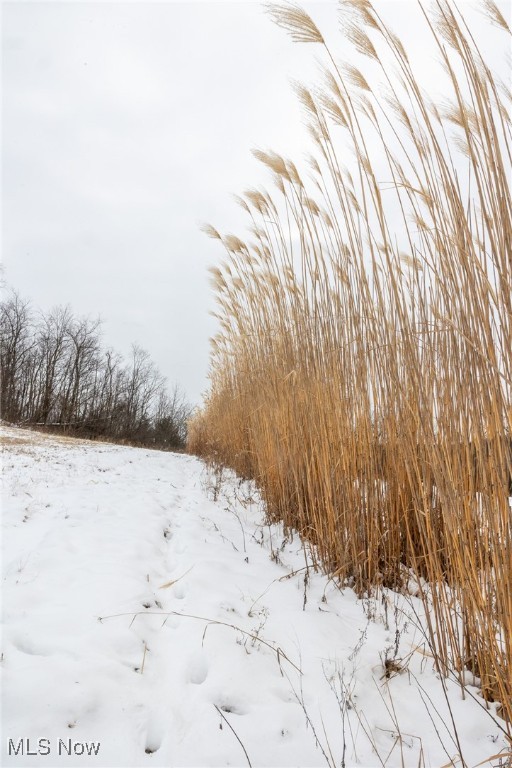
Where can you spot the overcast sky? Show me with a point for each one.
(126, 125)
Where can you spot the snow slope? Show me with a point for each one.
(141, 614)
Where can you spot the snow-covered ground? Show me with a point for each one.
(148, 609)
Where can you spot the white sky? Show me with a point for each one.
(126, 125)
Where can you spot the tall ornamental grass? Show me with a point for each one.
(362, 371)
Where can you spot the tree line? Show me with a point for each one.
(56, 374)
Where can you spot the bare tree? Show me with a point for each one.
(52, 342)
(82, 358)
(16, 345)
(171, 416)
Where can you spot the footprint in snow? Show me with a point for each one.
(180, 591)
(154, 736)
(197, 671)
(29, 648)
(171, 622)
(229, 706)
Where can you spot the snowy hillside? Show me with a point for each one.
(152, 619)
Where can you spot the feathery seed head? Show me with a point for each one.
(327, 219)
(399, 46)
(356, 77)
(294, 19)
(494, 13)
(256, 199)
(217, 280)
(361, 41)
(293, 173)
(273, 161)
(313, 163)
(278, 181)
(446, 24)
(315, 135)
(410, 261)
(312, 207)
(333, 110)
(242, 203)
(210, 231)
(361, 8)
(234, 244)
(306, 98)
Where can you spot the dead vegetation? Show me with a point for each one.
(362, 372)
(15, 438)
